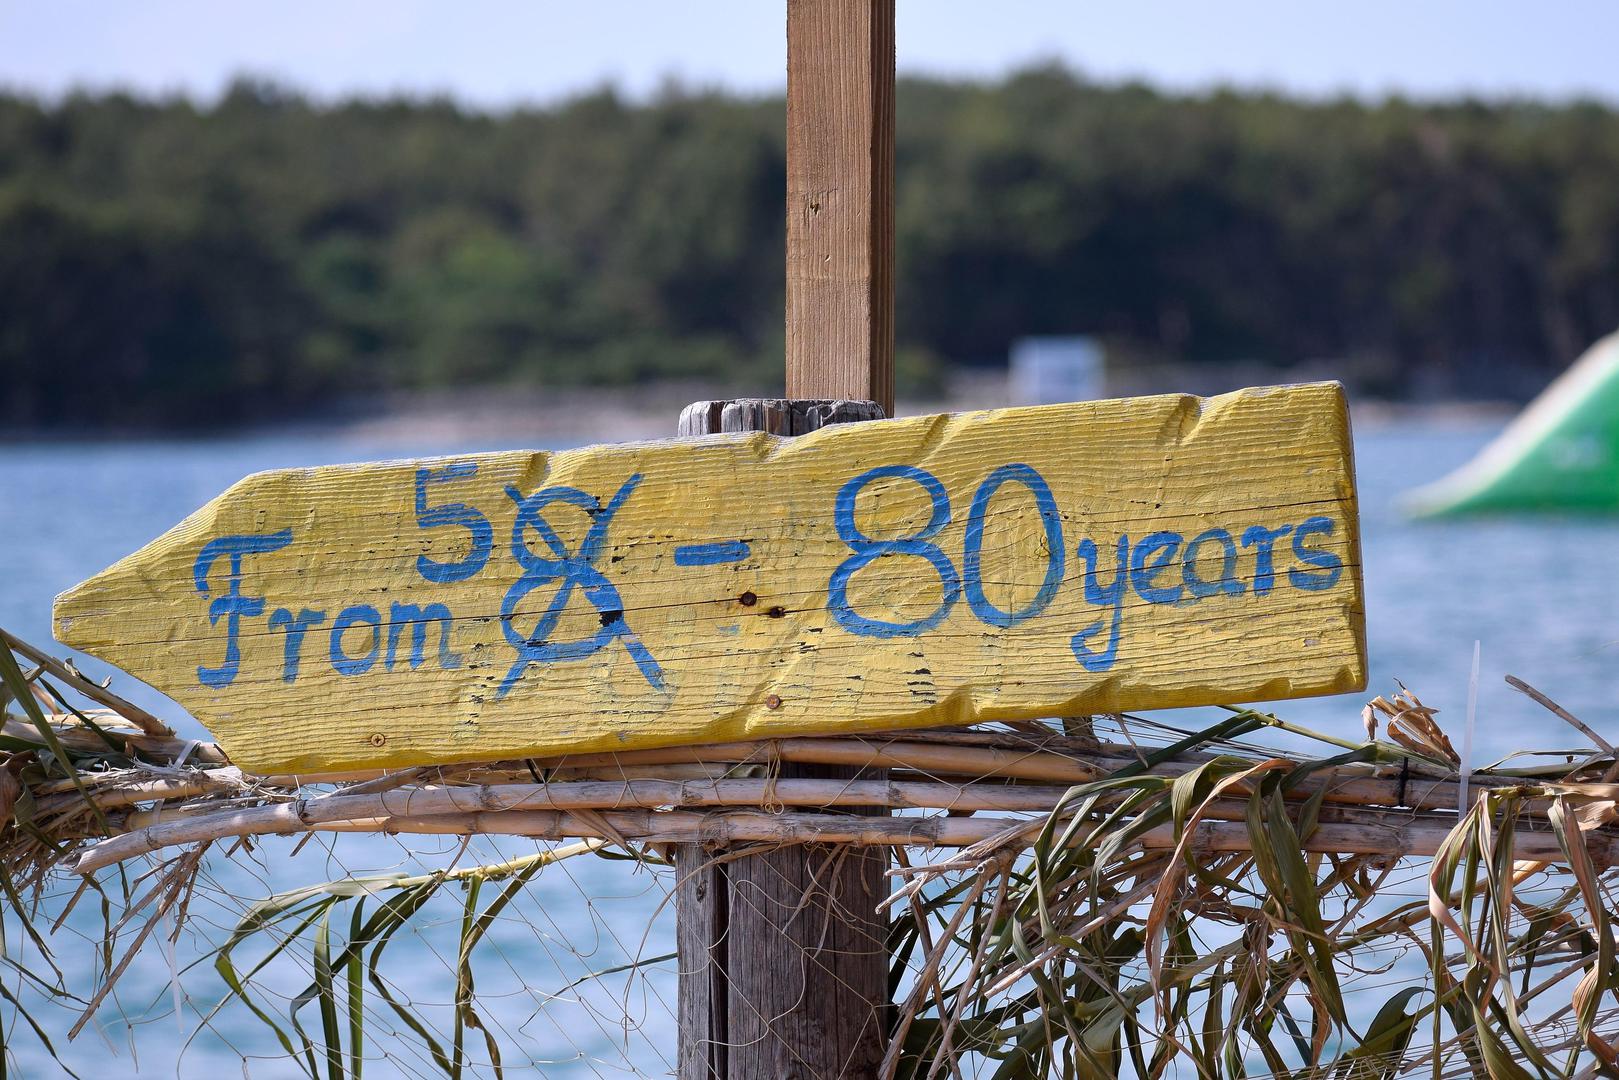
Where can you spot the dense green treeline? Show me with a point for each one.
(167, 265)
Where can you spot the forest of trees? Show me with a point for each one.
(168, 265)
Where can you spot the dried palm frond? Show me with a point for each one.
(1101, 897)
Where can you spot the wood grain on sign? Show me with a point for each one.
(1060, 560)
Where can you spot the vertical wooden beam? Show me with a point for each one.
(840, 200)
(783, 956)
(808, 953)
(702, 950)
(840, 344)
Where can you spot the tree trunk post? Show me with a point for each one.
(783, 956)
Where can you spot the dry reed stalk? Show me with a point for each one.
(148, 831)
(138, 716)
(1347, 784)
(1362, 830)
(729, 827)
(157, 749)
(132, 792)
(1339, 787)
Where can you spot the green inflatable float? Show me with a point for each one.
(1560, 454)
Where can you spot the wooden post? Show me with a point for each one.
(783, 960)
(783, 957)
(840, 200)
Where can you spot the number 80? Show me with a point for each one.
(920, 545)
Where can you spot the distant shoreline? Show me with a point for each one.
(580, 415)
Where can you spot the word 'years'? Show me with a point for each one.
(1161, 567)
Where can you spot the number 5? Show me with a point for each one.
(429, 517)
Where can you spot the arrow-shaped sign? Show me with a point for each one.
(1021, 563)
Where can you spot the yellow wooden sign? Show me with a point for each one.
(1051, 561)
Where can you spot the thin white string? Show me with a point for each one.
(1467, 735)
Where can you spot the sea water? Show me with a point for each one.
(1540, 594)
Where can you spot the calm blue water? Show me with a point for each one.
(1541, 595)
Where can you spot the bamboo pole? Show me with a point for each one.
(1342, 832)
(930, 754)
(935, 776)
(124, 793)
(152, 830)
(136, 715)
(920, 754)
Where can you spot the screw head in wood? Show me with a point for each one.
(772, 702)
(378, 739)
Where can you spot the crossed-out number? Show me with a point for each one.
(574, 571)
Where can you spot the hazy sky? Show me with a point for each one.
(499, 52)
